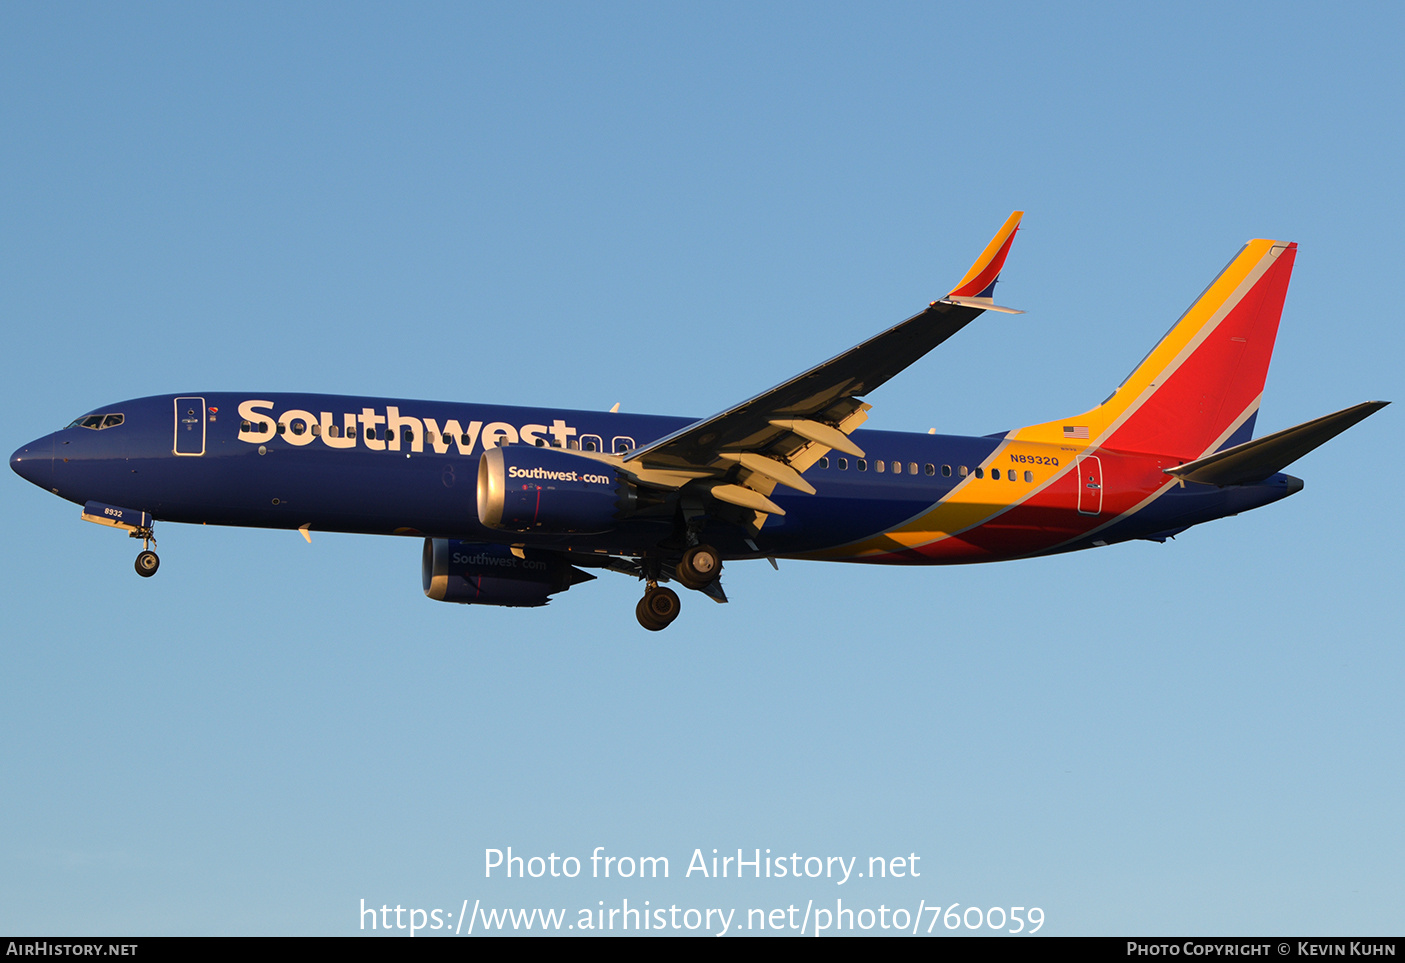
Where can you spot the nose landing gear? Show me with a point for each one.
(147, 564)
(137, 524)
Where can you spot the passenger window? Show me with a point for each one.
(317, 428)
(912, 468)
(961, 470)
(622, 444)
(573, 445)
(592, 443)
(1029, 476)
(861, 464)
(843, 464)
(880, 466)
(946, 471)
(245, 427)
(897, 468)
(298, 427)
(930, 468)
(282, 428)
(980, 472)
(824, 462)
(351, 433)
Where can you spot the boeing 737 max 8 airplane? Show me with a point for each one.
(518, 504)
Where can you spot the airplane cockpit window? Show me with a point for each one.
(96, 422)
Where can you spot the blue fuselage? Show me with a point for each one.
(397, 467)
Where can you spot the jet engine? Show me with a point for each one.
(475, 573)
(550, 490)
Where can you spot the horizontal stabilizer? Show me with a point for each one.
(1256, 460)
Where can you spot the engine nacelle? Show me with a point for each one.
(474, 573)
(549, 490)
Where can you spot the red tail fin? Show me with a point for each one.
(1202, 384)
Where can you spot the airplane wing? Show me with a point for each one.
(742, 453)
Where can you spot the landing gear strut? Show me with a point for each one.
(658, 608)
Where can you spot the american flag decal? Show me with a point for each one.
(1075, 431)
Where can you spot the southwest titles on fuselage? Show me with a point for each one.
(391, 431)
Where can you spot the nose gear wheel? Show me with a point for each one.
(147, 564)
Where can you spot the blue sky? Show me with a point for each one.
(674, 207)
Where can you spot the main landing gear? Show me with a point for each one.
(658, 608)
(699, 567)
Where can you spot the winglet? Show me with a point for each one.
(977, 287)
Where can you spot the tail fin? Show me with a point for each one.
(1199, 388)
